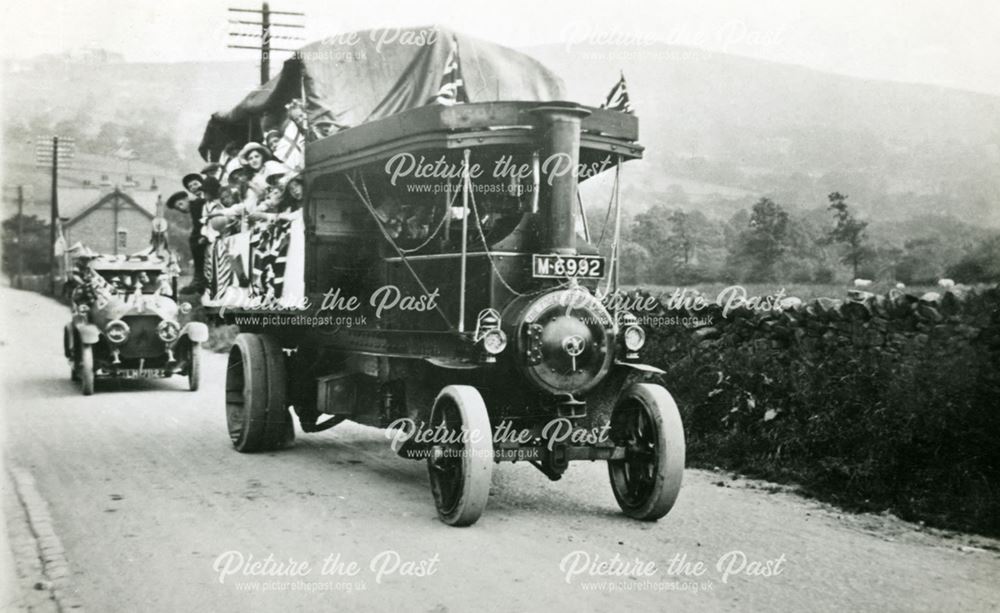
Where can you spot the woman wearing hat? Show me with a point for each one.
(280, 252)
(272, 138)
(253, 156)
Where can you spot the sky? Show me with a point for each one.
(954, 44)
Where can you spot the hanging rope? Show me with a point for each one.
(371, 209)
(444, 218)
(489, 254)
(607, 216)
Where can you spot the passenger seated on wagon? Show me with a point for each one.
(272, 138)
(278, 252)
(389, 212)
(284, 200)
(213, 216)
(238, 181)
(253, 156)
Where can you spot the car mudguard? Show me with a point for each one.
(89, 333)
(196, 331)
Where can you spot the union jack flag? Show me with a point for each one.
(452, 90)
(618, 98)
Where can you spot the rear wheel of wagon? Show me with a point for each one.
(461, 467)
(647, 424)
(256, 413)
(85, 370)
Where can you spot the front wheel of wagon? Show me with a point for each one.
(647, 424)
(460, 465)
(256, 413)
(85, 370)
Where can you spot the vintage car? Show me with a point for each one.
(463, 304)
(125, 323)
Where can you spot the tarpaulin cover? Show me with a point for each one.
(363, 76)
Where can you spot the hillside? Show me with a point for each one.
(720, 122)
(720, 130)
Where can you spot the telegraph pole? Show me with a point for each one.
(20, 236)
(62, 151)
(54, 215)
(265, 43)
(265, 35)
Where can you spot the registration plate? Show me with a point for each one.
(562, 266)
(145, 373)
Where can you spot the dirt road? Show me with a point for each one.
(154, 511)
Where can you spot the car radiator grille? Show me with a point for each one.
(143, 341)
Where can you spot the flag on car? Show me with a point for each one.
(618, 98)
(452, 90)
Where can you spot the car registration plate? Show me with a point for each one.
(547, 266)
(145, 373)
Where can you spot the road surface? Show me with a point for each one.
(150, 509)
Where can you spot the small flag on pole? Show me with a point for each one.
(452, 90)
(618, 98)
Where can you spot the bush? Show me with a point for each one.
(824, 274)
(982, 265)
(890, 403)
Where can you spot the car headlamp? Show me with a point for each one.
(635, 338)
(116, 331)
(494, 341)
(168, 331)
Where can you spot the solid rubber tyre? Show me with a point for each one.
(257, 415)
(461, 472)
(647, 481)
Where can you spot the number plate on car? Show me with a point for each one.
(561, 266)
(146, 373)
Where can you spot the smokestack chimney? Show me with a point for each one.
(560, 122)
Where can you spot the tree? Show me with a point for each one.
(980, 265)
(759, 247)
(682, 237)
(33, 248)
(849, 232)
(922, 261)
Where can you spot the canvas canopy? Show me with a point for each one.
(363, 76)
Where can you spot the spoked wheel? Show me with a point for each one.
(647, 480)
(256, 413)
(85, 370)
(461, 467)
(194, 367)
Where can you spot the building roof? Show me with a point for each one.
(96, 203)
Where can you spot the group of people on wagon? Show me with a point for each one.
(246, 222)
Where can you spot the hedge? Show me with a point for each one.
(878, 402)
